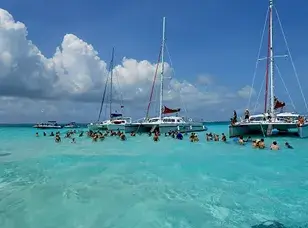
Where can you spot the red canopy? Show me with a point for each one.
(169, 110)
(278, 104)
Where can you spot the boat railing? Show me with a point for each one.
(140, 120)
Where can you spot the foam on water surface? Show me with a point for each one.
(140, 183)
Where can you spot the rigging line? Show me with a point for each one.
(105, 89)
(285, 86)
(120, 88)
(111, 83)
(153, 84)
(259, 94)
(103, 99)
(171, 64)
(293, 65)
(257, 62)
(118, 84)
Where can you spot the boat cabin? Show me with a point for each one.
(167, 119)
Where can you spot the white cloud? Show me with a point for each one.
(76, 73)
(246, 92)
(205, 79)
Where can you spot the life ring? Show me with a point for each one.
(190, 119)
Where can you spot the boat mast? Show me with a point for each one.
(271, 56)
(111, 74)
(266, 99)
(162, 70)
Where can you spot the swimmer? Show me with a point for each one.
(179, 136)
(155, 138)
(95, 137)
(255, 143)
(37, 134)
(261, 144)
(274, 146)
(196, 139)
(57, 139)
(240, 140)
(191, 137)
(210, 136)
(122, 137)
(223, 137)
(288, 145)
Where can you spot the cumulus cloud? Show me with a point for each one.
(246, 92)
(75, 73)
(205, 79)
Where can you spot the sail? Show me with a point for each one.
(278, 104)
(166, 110)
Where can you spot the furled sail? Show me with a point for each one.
(169, 110)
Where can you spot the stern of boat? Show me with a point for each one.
(238, 130)
(303, 131)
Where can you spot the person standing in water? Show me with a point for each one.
(274, 146)
(155, 138)
(223, 137)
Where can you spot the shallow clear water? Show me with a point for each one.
(140, 183)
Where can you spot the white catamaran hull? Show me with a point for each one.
(97, 126)
(115, 127)
(266, 129)
(164, 128)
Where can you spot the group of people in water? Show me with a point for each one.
(259, 143)
(193, 137)
(94, 135)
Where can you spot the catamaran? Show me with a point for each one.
(274, 118)
(116, 120)
(164, 123)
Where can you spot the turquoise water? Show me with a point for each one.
(140, 183)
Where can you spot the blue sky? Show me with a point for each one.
(204, 37)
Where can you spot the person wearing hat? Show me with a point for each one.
(247, 114)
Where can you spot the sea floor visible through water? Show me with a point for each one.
(140, 183)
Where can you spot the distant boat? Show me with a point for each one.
(71, 125)
(271, 120)
(48, 125)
